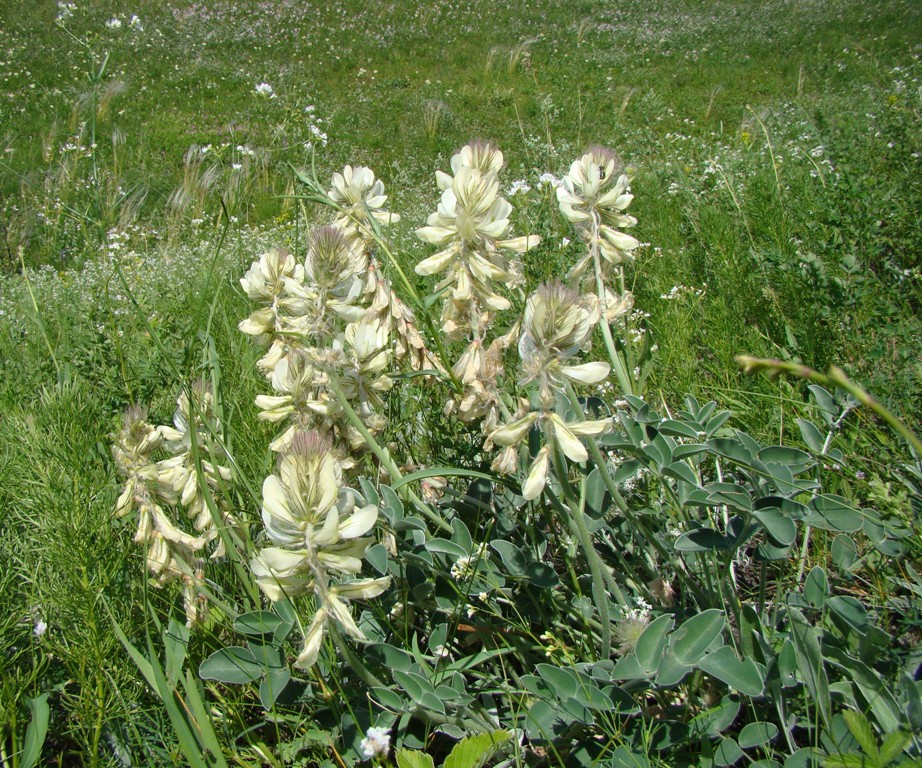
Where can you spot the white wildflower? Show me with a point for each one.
(377, 743)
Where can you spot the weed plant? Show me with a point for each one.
(540, 551)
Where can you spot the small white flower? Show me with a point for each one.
(114, 23)
(264, 89)
(465, 567)
(518, 187)
(135, 23)
(376, 743)
(40, 628)
(65, 11)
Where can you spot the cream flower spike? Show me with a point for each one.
(472, 226)
(480, 155)
(317, 529)
(593, 196)
(360, 195)
(171, 552)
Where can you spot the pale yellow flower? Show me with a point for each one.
(537, 475)
(482, 156)
(178, 478)
(267, 282)
(594, 195)
(361, 196)
(265, 279)
(317, 528)
(558, 323)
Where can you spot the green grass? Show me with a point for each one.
(775, 150)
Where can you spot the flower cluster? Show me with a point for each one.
(154, 488)
(317, 532)
(558, 323)
(332, 325)
(593, 196)
(361, 200)
(472, 228)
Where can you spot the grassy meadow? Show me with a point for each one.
(684, 588)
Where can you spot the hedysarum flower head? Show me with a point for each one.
(470, 211)
(482, 156)
(557, 318)
(300, 497)
(318, 530)
(593, 195)
(333, 261)
(472, 226)
(360, 196)
(558, 323)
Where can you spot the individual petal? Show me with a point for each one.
(442, 180)
(507, 461)
(537, 475)
(463, 290)
(339, 610)
(280, 572)
(260, 322)
(494, 300)
(340, 562)
(494, 229)
(328, 533)
(587, 373)
(519, 244)
(125, 499)
(274, 408)
(619, 239)
(569, 443)
(313, 639)
(359, 522)
(173, 534)
(436, 235)
(485, 270)
(597, 427)
(281, 525)
(363, 589)
(511, 434)
(437, 262)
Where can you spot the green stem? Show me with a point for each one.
(352, 658)
(621, 372)
(578, 527)
(835, 378)
(634, 520)
(382, 453)
(38, 315)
